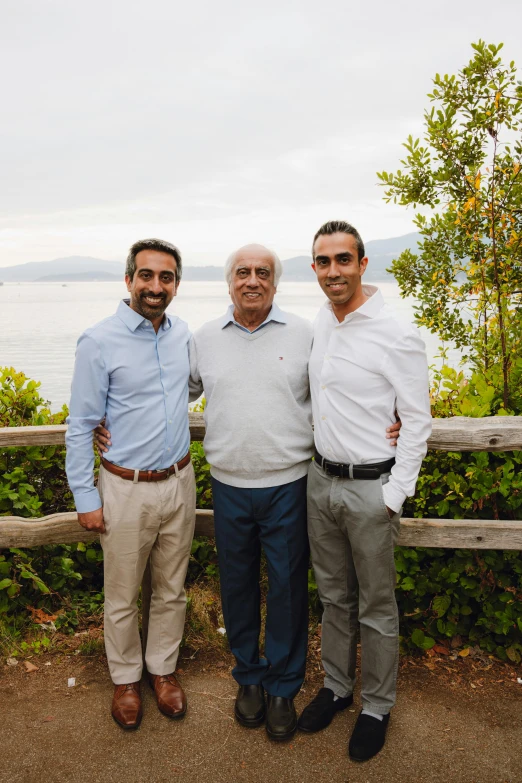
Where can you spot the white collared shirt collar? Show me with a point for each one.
(369, 309)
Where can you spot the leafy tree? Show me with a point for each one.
(467, 275)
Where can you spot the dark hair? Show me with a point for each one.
(340, 227)
(152, 244)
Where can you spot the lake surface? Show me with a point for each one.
(41, 322)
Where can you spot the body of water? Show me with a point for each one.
(41, 322)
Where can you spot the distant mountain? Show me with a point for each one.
(61, 269)
(298, 270)
(81, 277)
(380, 252)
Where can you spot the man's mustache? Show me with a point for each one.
(144, 294)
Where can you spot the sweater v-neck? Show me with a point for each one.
(258, 332)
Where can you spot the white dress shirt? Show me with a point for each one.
(361, 371)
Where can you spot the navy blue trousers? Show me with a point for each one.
(274, 519)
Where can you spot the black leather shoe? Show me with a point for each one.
(281, 720)
(319, 713)
(250, 706)
(367, 737)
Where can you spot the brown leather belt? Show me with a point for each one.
(146, 475)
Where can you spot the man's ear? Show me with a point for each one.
(128, 282)
(363, 263)
(313, 266)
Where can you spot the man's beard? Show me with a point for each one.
(146, 310)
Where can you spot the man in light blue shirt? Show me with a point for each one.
(133, 369)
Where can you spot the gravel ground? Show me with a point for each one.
(443, 729)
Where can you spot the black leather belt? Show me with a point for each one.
(371, 471)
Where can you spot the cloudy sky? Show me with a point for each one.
(212, 124)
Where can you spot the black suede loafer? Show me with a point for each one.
(367, 737)
(250, 707)
(319, 713)
(281, 719)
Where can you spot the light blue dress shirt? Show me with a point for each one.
(138, 380)
(275, 314)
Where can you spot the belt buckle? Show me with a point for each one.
(328, 464)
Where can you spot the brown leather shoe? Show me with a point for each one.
(169, 695)
(126, 705)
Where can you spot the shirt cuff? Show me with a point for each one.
(87, 501)
(393, 497)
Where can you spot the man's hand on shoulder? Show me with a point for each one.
(92, 520)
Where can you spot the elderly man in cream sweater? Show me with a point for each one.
(253, 367)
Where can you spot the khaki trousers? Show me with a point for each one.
(143, 519)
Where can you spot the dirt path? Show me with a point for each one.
(442, 729)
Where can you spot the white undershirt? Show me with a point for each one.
(361, 371)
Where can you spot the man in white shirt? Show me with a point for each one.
(365, 364)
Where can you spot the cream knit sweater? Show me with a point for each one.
(258, 410)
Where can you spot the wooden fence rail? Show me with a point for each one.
(497, 433)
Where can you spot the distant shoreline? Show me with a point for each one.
(377, 276)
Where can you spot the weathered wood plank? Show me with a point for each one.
(54, 434)
(461, 533)
(64, 529)
(53, 529)
(460, 433)
(50, 435)
(463, 433)
(197, 426)
(443, 533)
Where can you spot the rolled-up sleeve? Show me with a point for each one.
(87, 407)
(406, 368)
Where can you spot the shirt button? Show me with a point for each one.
(170, 421)
(166, 394)
(323, 387)
(323, 417)
(168, 448)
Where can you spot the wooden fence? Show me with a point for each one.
(497, 433)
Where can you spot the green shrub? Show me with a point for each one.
(32, 477)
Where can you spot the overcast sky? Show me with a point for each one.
(213, 124)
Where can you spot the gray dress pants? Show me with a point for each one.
(352, 539)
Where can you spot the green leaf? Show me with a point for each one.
(441, 604)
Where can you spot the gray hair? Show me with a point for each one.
(231, 260)
(152, 244)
